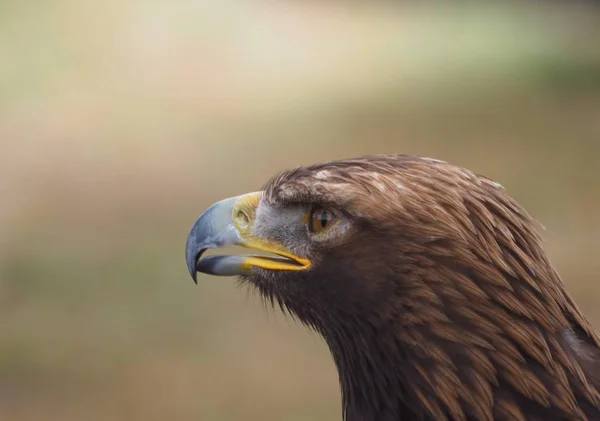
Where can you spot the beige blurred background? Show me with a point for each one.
(121, 120)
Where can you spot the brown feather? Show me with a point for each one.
(442, 304)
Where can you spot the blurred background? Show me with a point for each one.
(121, 120)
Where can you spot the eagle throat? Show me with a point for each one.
(445, 343)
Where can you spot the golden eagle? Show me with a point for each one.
(428, 282)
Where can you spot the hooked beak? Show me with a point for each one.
(230, 222)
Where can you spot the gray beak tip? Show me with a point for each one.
(190, 257)
(192, 271)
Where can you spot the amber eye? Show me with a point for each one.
(320, 219)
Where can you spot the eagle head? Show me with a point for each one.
(428, 282)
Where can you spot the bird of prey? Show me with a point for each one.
(428, 283)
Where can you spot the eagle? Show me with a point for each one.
(428, 283)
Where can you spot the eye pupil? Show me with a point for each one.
(324, 218)
(320, 219)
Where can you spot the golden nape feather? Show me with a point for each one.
(428, 283)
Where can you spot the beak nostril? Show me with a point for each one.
(242, 218)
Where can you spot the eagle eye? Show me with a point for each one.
(320, 219)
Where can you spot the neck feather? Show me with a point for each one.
(449, 346)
